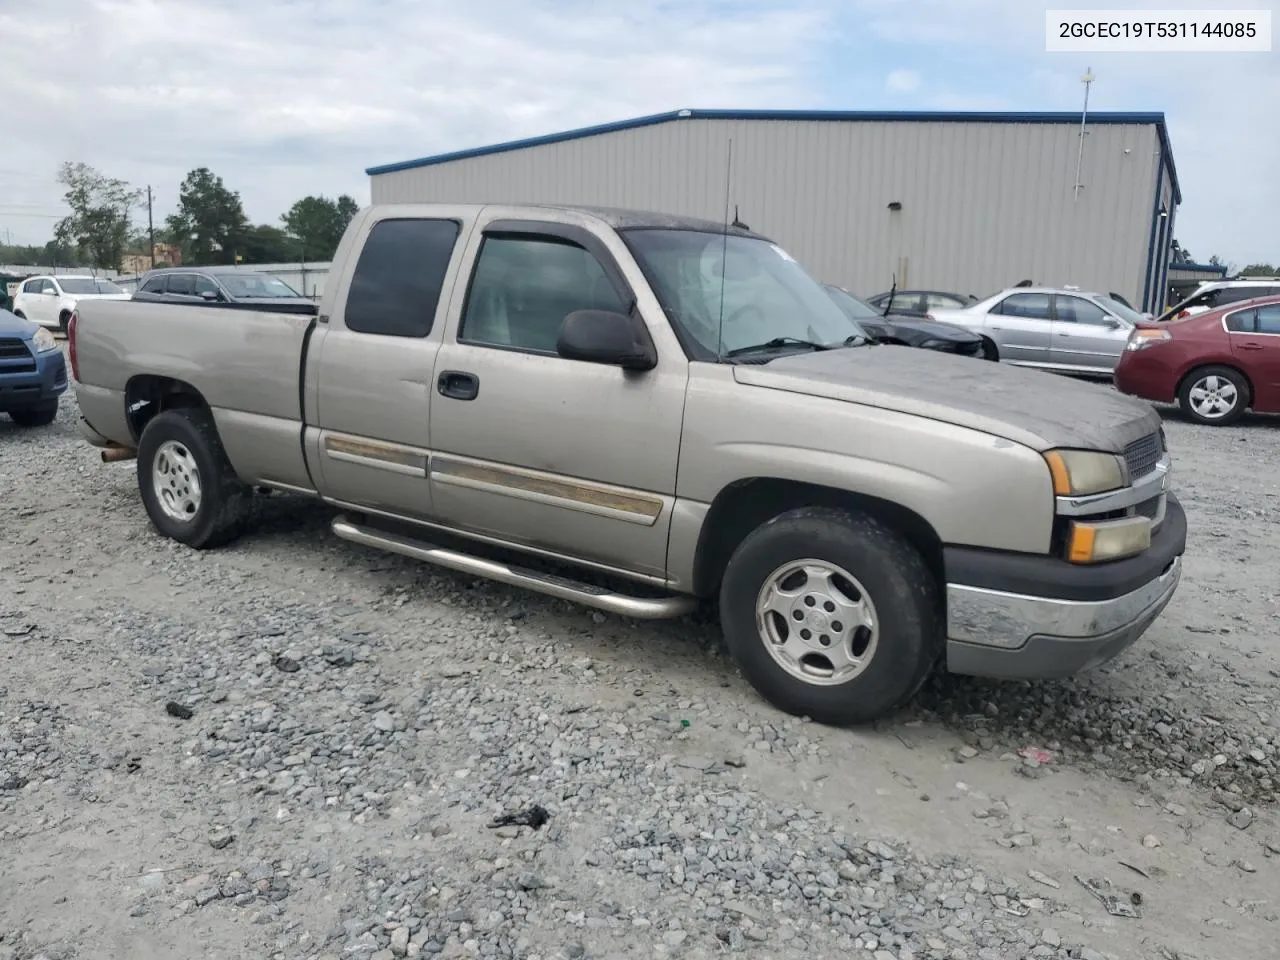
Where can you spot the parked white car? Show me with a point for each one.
(1213, 294)
(1063, 330)
(50, 300)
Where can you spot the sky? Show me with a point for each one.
(284, 98)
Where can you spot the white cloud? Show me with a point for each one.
(902, 81)
(283, 98)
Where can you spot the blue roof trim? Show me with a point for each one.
(1198, 268)
(1155, 119)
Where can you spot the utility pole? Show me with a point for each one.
(151, 230)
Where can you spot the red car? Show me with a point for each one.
(1214, 364)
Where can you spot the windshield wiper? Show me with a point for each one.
(777, 342)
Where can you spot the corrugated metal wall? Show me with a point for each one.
(984, 205)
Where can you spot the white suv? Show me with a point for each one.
(1218, 293)
(49, 301)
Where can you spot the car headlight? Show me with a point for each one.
(1078, 473)
(43, 341)
(934, 344)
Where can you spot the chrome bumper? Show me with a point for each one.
(1014, 636)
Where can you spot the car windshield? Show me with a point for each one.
(853, 308)
(82, 285)
(735, 293)
(1121, 310)
(255, 286)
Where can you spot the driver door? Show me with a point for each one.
(1085, 336)
(565, 456)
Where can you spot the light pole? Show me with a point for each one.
(1087, 80)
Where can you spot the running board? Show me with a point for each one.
(642, 608)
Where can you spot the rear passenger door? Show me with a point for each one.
(369, 378)
(1255, 341)
(1022, 325)
(565, 456)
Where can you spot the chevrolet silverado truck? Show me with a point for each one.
(640, 412)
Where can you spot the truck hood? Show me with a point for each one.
(1038, 410)
(14, 326)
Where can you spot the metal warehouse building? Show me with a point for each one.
(966, 202)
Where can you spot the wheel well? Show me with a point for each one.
(63, 315)
(1182, 381)
(147, 395)
(745, 505)
(19, 314)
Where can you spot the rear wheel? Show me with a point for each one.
(188, 486)
(1214, 395)
(989, 349)
(39, 416)
(831, 615)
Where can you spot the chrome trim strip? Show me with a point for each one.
(645, 608)
(379, 454)
(287, 487)
(582, 496)
(1152, 485)
(1008, 620)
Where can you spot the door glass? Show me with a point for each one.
(1268, 318)
(523, 288)
(46, 286)
(205, 285)
(1031, 306)
(183, 284)
(1079, 310)
(155, 284)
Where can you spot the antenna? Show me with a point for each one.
(724, 250)
(1087, 80)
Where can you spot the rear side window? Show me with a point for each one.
(1033, 306)
(1242, 321)
(1268, 318)
(1237, 294)
(397, 281)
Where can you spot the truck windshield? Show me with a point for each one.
(738, 293)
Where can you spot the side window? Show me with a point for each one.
(155, 284)
(183, 284)
(1030, 306)
(1268, 318)
(205, 285)
(1079, 310)
(1242, 321)
(398, 278)
(1237, 294)
(939, 301)
(523, 288)
(46, 286)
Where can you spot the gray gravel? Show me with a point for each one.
(358, 721)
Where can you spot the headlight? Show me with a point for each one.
(934, 344)
(43, 341)
(1078, 473)
(1108, 539)
(1140, 339)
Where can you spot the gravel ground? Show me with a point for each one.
(296, 747)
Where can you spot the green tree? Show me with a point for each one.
(267, 244)
(100, 211)
(316, 223)
(210, 225)
(1260, 270)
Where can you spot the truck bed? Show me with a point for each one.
(247, 364)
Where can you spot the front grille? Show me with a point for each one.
(15, 357)
(1142, 455)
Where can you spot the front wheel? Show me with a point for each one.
(40, 416)
(1214, 395)
(188, 486)
(989, 349)
(831, 614)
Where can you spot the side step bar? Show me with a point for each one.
(642, 608)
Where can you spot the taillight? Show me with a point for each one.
(71, 345)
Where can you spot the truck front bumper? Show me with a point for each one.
(1011, 616)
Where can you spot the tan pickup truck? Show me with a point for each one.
(639, 412)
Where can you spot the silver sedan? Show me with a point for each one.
(1068, 331)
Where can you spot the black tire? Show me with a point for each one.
(895, 578)
(1239, 392)
(224, 500)
(19, 314)
(989, 350)
(63, 319)
(39, 416)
